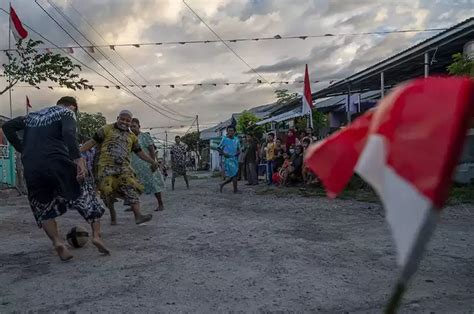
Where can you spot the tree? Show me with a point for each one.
(461, 65)
(246, 124)
(319, 121)
(88, 124)
(283, 96)
(191, 140)
(29, 66)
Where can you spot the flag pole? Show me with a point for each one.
(413, 261)
(9, 51)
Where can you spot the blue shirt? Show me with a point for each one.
(230, 146)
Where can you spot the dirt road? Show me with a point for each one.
(211, 252)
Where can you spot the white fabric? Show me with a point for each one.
(405, 207)
(306, 106)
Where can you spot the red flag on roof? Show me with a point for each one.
(407, 149)
(19, 32)
(307, 99)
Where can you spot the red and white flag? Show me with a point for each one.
(307, 99)
(28, 105)
(407, 149)
(18, 31)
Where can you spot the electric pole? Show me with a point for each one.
(166, 145)
(197, 144)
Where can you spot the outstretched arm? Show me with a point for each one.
(144, 156)
(88, 146)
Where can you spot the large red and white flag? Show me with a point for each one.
(18, 31)
(406, 148)
(307, 99)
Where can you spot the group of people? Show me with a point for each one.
(283, 159)
(118, 162)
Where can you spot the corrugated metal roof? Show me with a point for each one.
(408, 63)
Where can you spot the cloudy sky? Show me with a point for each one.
(136, 21)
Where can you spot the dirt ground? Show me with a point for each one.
(212, 252)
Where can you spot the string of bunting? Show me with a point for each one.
(91, 49)
(258, 82)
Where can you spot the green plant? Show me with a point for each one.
(246, 124)
(284, 96)
(461, 65)
(88, 124)
(29, 66)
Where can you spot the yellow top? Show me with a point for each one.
(270, 151)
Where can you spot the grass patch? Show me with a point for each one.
(197, 177)
(461, 194)
(359, 190)
(216, 174)
(363, 195)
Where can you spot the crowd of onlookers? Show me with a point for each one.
(278, 158)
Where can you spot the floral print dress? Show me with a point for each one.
(152, 181)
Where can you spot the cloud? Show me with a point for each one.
(126, 21)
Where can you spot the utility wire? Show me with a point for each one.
(170, 110)
(70, 56)
(198, 84)
(65, 17)
(226, 44)
(105, 69)
(256, 39)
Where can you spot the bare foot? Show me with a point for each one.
(63, 252)
(143, 218)
(160, 208)
(100, 246)
(113, 223)
(221, 186)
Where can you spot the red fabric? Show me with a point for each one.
(276, 178)
(17, 28)
(307, 88)
(424, 123)
(290, 140)
(334, 158)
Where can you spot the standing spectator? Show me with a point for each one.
(270, 156)
(242, 169)
(251, 160)
(302, 136)
(291, 139)
(278, 144)
(310, 134)
(306, 173)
